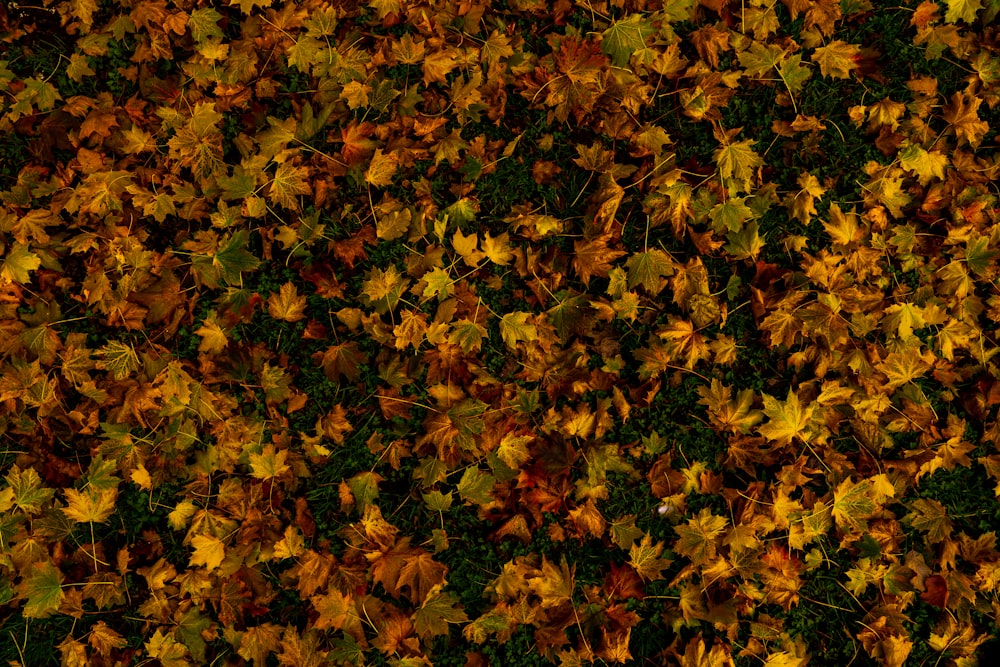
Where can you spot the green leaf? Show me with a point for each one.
(29, 494)
(730, 215)
(232, 259)
(476, 486)
(759, 59)
(794, 73)
(626, 37)
(515, 327)
(43, 588)
(737, 162)
(437, 501)
(437, 611)
(204, 24)
(364, 488)
(978, 255)
(190, 628)
(649, 269)
(468, 335)
(746, 243)
(240, 185)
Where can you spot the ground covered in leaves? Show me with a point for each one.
(461, 332)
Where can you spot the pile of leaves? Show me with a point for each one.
(471, 332)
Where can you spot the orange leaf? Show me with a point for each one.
(287, 304)
(420, 573)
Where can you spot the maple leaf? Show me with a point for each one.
(515, 327)
(269, 463)
(247, 6)
(213, 337)
(168, 651)
(786, 420)
(104, 639)
(467, 248)
(287, 304)
(420, 573)
(784, 659)
(468, 335)
(438, 610)
(759, 58)
(649, 269)
(725, 412)
(697, 539)
(289, 182)
(737, 161)
(18, 262)
(837, 59)
(383, 288)
(42, 586)
(476, 486)
(962, 10)
(623, 38)
(853, 504)
(393, 224)
(803, 203)
(554, 584)
(232, 258)
(730, 214)
(90, 505)
(209, 551)
(513, 449)
(931, 517)
(27, 491)
(594, 258)
(336, 611)
(644, 558)
(343, 360)
(364, 488)
(497, 250)
(382, 168)
(901, 368)
(963, 117)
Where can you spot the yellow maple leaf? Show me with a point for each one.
(803, 203)
(697, 539)
(853, 504)
(737, 161)
(381, 169)
(497, 250)
(336, 611)
(786, 420)
(213, 338)
(90, 505)
(836, 59)
(644, 558)
(513, 449)
(289, 182)
(516, 327)
(208, 551)
(17, 263)
(467, 248)
(555, 585)
(269, 463)
(287, 304)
